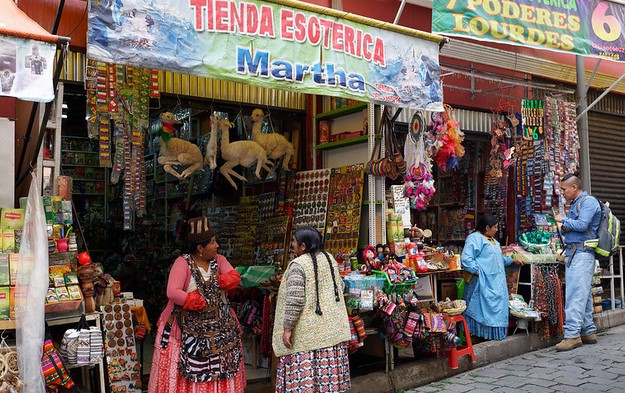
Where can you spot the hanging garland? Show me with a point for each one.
(418, 180)
(445, 139)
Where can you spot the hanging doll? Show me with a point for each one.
(103, 284)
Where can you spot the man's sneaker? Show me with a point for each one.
(589, 339)
(569, 343)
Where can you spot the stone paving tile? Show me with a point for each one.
(536, 389)
(562, 374)
(566, 389)
(483, 379)
(491, 372)
(600, 381)
(573, 369)
(589, 369)
(455, 387)
(505, 389)
(570, 381)
(429, 389)
(483, 386)
(593, 387)
(604, 374)
(542, 382)
(513, 382)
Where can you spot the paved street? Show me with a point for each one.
(589, 369)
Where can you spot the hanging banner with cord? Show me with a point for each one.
(585, 27)
(26, 69)
(281, 44)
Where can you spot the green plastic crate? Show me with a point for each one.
(400, 288)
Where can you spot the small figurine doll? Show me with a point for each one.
(392, 275)
(380, 251)
(368, 256)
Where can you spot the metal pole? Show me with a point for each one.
(606, 91)
(399, 11)
(35, 108)
(582, 125)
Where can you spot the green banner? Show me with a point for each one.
(590, 28)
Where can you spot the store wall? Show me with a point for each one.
(22, 114)
(7, 180)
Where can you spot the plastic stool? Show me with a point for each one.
(460, 350)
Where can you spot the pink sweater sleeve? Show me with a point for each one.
(228, 277)
(178, 281)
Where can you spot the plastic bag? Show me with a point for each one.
(460, 287)
(32, 285)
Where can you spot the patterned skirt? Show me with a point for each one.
(318, 371)
(165, 378)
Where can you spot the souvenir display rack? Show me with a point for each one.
(344, 204)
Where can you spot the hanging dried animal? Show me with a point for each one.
(275, 145)
(211, 146)
(175, 151)
(244, 153)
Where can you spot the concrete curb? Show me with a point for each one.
(422, 372)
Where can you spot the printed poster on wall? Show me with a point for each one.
(26, 69)
(272, 45)
(585, 27)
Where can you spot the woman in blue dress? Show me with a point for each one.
(486, 291)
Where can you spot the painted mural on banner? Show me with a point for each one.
(585, 27)
(268, 44)
(26, 69)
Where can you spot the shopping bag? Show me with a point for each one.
(82, 345)
(54, 371)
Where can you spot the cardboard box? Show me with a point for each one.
(14, 263)
(12, 218)
(8, 240)
(4, 270)
(448, 290)
(18, 240)
(5, 303)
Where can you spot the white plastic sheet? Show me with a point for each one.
(31, 288)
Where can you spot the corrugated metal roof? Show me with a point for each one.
(470, 120)
(194, 86)
(474, 52)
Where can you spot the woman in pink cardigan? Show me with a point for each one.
(198, 340)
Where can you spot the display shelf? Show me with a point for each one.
(378, 202)
(450, 204)
(82, 165)
(342, 111)
(8, 324)
(87, 193)
(80, 179)
(81, 151)
(342, 143)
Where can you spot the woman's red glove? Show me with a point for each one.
(194, 302)
(229, 280)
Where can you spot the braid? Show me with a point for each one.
(336, 288)
(314, 260)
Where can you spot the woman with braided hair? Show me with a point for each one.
(311, 331)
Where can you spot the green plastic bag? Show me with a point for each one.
(252, 276)
(460, 287)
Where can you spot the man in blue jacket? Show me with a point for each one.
(579, 227)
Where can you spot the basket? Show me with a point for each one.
(449, 307)
(399, 288)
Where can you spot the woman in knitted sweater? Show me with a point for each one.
(198, 340)
(311, 328)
